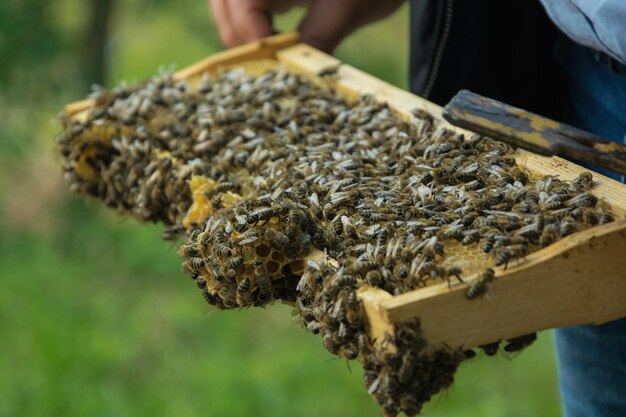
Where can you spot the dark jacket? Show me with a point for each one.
(500, 49)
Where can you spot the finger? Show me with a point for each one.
(326, 24)
(251, 19)
(224, 24)
(282, 6)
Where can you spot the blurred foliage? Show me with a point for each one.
(96, 318)
(17, 20)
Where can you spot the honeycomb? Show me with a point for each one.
(258, 168)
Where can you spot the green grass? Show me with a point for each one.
(96, 318)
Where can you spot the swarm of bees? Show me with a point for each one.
(385, 199)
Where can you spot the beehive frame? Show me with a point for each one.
(578, 280)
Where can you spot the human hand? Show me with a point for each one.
(326, 23)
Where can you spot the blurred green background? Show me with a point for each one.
(96, 318)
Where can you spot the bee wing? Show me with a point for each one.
(371, 231)
(314, 199)
(313, 265)
(248, 240)
(374, 385)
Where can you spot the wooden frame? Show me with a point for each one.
(578, 280)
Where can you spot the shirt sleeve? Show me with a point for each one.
(598, 24)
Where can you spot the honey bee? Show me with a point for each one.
(196, 263)
(456, 272)
(339, 311)
(209, 297)
(374, 278)
(605, 217)
(263, 214)
(363, 266)
(589, 216)
(576, 214)
(409, 337)
(455, 230)
(566, 228)
(329, 71)
(405, 372)
(349, 228)
(316, 210)
(244, 297)
(481, 284)
(351, 299)
(490, 349)
(329, 342)
(554, 202)
(228, 296)
(531, 198)
(263, 281)
(314, 326)
(297, 218)
(200, 282)
(584, 180)
(222, 251)
(469, 353)
(519, 343)
(216, 202)
(488, 243)
(505, 254)
(530, 231)
(349, 351)
(363, 343)
(547, 183)
(226, 186)
(337, 226)
(217, 273)
(583, 200)
(188, 251)
(549, 235)
(471, 236)
(276, 238)
(431, 247)
(401, 271)
(248, 237)
(172, 232)
(518, 175)
(235, 262)
(426, 267)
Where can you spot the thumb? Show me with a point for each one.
(328, 22)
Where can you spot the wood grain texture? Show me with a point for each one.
(258, 50)
(579, 280)
(379, 326)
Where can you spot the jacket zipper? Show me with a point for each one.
(441, 46)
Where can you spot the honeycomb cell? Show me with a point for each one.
(278, 257)
(297, 266)
(273, 267)
(263, 251)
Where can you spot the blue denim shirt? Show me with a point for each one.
(592, 359)
(598, 24)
